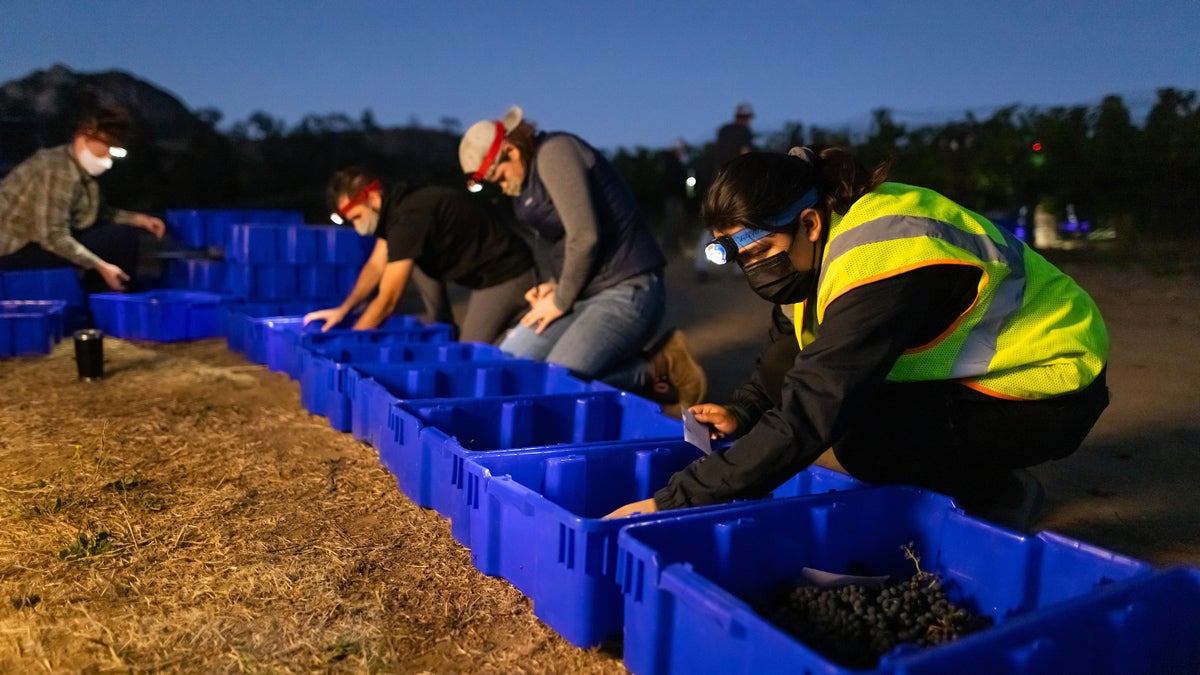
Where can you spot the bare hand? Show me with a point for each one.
(542, 312)
(151, 224)
(539, 291)
(113, 275)
(331, 317)
(717, 417)
(644, 506)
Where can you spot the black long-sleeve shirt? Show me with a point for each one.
(796, 408)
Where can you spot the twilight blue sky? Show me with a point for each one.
(618, 72)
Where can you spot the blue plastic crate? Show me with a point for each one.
(345, 277)
(363, 394)
(30, 326)
(426, 441)
(195, 274)
(343, 246)
(162, 316)
(58, 283)
(285, 339)
(238, 314)
(317, 281)
(213, 228)
(535, 518)
(323, 374)
(689, 581)
(273, 243)
(262, 281)
(187, 227)
(1144, 624)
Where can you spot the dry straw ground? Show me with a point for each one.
(187, 515)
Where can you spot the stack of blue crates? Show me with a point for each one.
(205, 229)
(293, 262)
(202, 237)
(55, 284)
(265, 264)
(30, 327)
(263, 255)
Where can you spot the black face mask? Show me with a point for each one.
(776, 280)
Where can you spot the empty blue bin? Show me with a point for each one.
(30, 326)
(195, 274)
(273, 243)
(690, 581)
(237, 316)
(426, 441)
(362, 397)
(535, 518)
(187, 227)
(323, 368)
(162, 316)
(57, 283)
(285, 339)
(343, 246)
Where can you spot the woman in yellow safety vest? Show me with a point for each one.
(913, 342)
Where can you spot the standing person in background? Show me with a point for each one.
(733, 139)
(53, 215)
(606, 299)
(675, 170)
(914, 342)
(433, 235)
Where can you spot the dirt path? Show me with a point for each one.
(187, 515)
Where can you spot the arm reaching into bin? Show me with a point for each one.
(368, 278)
(391, 287)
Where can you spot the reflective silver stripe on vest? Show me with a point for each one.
(1009, 296)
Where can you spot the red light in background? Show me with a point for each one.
(1037, 147)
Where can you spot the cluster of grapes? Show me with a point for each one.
(855, 624)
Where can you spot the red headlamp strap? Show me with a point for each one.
(491, 154)
(361, 196)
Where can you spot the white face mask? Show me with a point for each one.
(366, 225)
(92, 164)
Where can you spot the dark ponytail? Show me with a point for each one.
(757, 186)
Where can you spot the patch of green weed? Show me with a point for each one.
(84, 546)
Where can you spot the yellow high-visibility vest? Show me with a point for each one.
(1031, 333)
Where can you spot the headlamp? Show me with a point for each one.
(116, 152)
(339, 215)
(722, 249)
(725, 248)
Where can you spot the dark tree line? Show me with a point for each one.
(1140, 180)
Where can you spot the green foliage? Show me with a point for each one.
(84, 546)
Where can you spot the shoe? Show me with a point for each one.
(1017, 504)
(676, 374)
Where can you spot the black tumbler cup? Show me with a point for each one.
(89, 354)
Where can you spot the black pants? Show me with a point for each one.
(117, 244)
(948, 438)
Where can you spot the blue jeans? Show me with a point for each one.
(601, 337)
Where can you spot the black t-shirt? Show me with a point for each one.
(451, 236)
